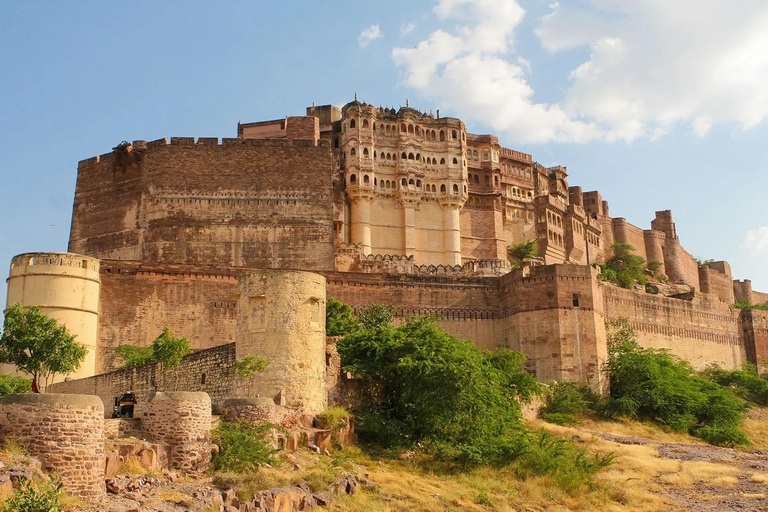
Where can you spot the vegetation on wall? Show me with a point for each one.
(38, 345)
(247, 368)
(654, 385)
(526, 250)
(166, 348)
(624, 267)
(744, 304)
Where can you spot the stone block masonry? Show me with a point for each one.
(209, 371)
(66, 432)
(181, 420)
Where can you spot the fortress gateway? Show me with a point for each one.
(392, 207)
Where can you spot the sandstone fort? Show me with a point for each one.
(237, 244)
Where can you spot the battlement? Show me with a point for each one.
(208, 142)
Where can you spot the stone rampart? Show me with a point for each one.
(209, 371)
(181, 420)
(66, 432)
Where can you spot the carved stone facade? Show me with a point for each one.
(394, 207)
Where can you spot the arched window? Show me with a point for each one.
(442, 189)
(442, 135)
(410, 156)
(453, 134)
(418, 157)
(366, 179)
(410, 128)
(389, 157)
(336, 143)
(418, 131)
(352, 178)
(477, 179)
(487, 181)
(418, 183)
(404, 156)
(434, 189)
(365, 152)
(365, 123)
(410, 182)
(442, 161)
(403, 182)
(375, 182)
(403, 128)
(434, 135)
(455, 189)
(386, 129)
(374, 155)
(474, 155)
(495, 178)
(352, 152)
(486, 155)
(455, 161)
(352, 123)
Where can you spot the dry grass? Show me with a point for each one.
(176, 497)
(757, 431)
(132, 466)
(759, 478)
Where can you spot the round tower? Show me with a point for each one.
(182, 420)
(65, 432)
(281, 317)
(66, 287)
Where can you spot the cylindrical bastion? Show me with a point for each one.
(66, 432)
(66, 287)
(281, 316)
(181, 420)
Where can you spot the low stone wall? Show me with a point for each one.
(65, 432)
(209, 371)
(181, 420)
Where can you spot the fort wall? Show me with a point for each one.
(243, 203)
(702, 331)
(208, 371)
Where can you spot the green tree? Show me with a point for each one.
(38, 345)
(517, 253)
(339, 319)
(429, 386)
(166, 348)
(10, 385)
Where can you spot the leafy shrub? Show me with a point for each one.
(746, 383)
(744, 304)
(566, 402)
(655, 385)
(339, 320)
(624, 268)
(561, 418)
(10, 385)
(242, 445)
(435, 388)
(333, 417)
(45, 497)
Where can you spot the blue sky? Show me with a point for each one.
(657, 106)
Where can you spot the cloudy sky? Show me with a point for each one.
(659, 104)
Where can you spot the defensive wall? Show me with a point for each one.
(242, 203)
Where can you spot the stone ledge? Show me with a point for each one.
(53, 399)
(179, 396)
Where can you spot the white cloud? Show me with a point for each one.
(652, 65)
(368, 35)
(756, 241)
(407, 28)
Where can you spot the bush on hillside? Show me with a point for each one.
(655, 385)
(566, 402)
(746, 383)
(242, 445)
(624, 267)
